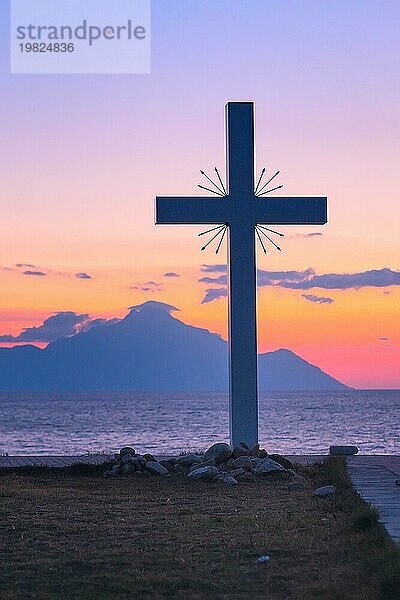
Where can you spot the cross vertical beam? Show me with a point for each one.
(239, 119)
(243, 396)
(243, 379)
(241, 210)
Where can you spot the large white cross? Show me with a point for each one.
(241, 210)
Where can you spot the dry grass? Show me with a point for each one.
(66, 535)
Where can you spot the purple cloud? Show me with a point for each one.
(334, 281)
(35, 273)
(308, 279)
(318, 299)
(306, 235)
(62, 324)
(145, 289)
(272, 278)
(221, 280)
(25, 265)
(214, 268)
(90, 324)
(264, 278)
(213, 294)
(83, 276)
(148, 287)
(171, 274)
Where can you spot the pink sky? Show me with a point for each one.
(83, 158)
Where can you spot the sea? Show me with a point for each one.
(290, 423)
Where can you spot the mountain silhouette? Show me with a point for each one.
(148, 350)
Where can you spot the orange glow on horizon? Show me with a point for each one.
(342, 338)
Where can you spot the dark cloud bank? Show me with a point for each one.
(304, 280)
(60, 325)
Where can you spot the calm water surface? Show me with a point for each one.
(291, 423)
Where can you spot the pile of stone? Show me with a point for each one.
(220, 462)
(127, 462)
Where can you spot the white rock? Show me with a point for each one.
(267, 466)
(208, 472)
(326, 490)
(229, 480)
(155, 468)
(219, 452)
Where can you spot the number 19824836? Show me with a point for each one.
(43, 47)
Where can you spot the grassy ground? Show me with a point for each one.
(76, 535)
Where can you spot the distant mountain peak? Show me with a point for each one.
(283, 351)
(148, 350)
(152, 307)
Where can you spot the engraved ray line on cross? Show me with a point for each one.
(209, 190)
(278, 187)
(269, 181)
(221, 240)
(212, 182)
(260, 240)
(259, 181)
(222, 229)
(210, 230)
(270, 230)
(268, 238)
(220, 180)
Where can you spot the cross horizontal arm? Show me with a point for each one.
(191, 210)
(292, 211)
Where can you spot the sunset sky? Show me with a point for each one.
(82, 158)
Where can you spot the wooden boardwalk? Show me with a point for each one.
(11, 462)
(373, 477)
